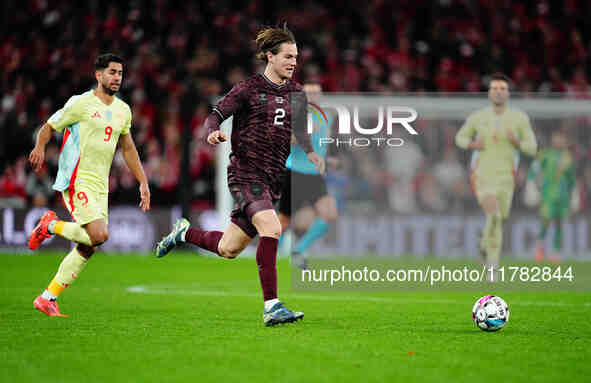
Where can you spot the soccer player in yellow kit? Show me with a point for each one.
(497, 134)
(93, 124)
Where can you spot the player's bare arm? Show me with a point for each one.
(37, 156)
(132, 159)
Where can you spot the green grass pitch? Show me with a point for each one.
(186, 318)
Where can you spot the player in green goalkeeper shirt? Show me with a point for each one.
(496, 134)
(554, 168)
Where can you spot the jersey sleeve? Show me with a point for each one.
(127, 126)
(66, 116)
(466, 133)
(300, 121)
(527, 142)
(231, 102)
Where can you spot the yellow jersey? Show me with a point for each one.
(498, 158)
(91, 132)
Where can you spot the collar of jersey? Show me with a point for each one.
(272, 83)
(101, 101)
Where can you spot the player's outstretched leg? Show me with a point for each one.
(182, 232)
(175, 237)
(50, 224)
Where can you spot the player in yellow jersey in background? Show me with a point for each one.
(93, 124)
(497, 134)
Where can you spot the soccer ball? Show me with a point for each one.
(490, 313)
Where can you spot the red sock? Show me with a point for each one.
(207, 240)
(266, 257)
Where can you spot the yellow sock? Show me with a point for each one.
(68, 271)
(55, 288)
(72, 231)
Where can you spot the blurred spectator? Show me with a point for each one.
(404, 163)
(452, 176)
(13, 185)
(39, 188)
(430, 194)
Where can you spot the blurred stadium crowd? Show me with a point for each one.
(180, 55)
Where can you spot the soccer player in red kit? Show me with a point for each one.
(267, 108)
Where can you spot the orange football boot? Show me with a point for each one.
(48, 307)
(40, 232)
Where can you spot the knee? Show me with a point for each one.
(99, 237)
(85, 251)
(327, 209)
(269, 228)
(267, 224)
(330, 215)
(304, 218)
(490, 205)
(228, 252)
(273, 231)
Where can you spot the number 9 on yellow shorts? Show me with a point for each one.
(86, 206)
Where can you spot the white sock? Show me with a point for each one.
(51, 226)
(48, 296)
(270, 303)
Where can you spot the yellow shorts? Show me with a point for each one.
(86, 206)
(501, 188)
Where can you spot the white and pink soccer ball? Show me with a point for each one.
(490, 313)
